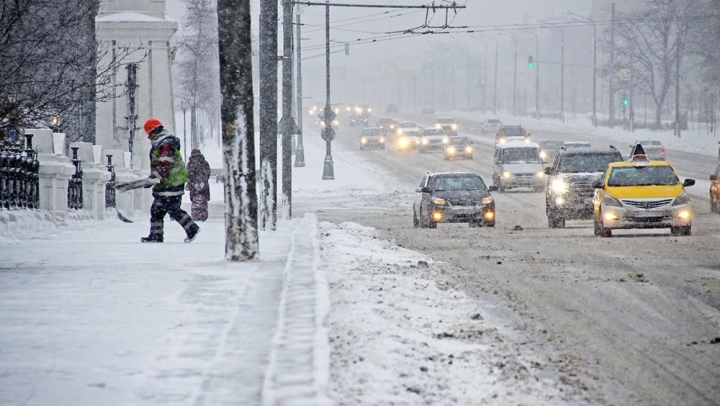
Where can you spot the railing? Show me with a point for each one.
(19, 179)
(75, 192)
(110, 186)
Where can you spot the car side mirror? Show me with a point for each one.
(492, 188)
(713, 177)
(689, 182)
(425, 190)
(598, 184)
(549, 171)
(529, 134)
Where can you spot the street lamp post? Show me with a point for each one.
(562, 72)
(537, 74)
(193, 112)
(511, 35)
(328, 134)
(184, 106)
(594, 116)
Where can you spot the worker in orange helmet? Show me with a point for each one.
(168, 175)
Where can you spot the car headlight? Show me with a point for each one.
(439, 201)
(559, 186)
(683, 199)
(487, 200)
(446, 140)
(611, 201)
(506, 174)
(454, 127)
(369, 110)
(399, 131)
(502, 140)
(540, 174)
(403, 142)
(451, 150)
(468, 149)
(392, 126)
(438, 126)
(363, 140)
(425, 141)
(382, 140)
(543, 155)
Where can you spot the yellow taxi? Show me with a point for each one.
(640, 193)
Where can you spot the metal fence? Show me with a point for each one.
(19, 179)
(110, 186)
(75, 193)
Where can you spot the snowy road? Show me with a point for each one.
(634, 319)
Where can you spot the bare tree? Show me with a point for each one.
(49, 66)
(651, 42)
(705, 34)
(198, 60)
(236, 85)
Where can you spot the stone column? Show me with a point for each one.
(95, 177)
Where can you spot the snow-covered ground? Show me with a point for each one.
(89, 316)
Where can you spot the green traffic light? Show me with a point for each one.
(626, 102)
(530, 65)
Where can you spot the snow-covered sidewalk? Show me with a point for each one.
(90, 316)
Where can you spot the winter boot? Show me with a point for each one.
(192, 233)
(152, 238)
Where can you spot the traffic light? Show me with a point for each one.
(531, 63)
(626, 101)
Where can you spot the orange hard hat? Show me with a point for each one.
(151, 125)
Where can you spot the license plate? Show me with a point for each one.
(648, 214)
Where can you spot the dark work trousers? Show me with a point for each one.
(163, 205)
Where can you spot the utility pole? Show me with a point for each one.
(678, 47)
(328, 134)
(132, 114)
(299, 149)
(287, 123)
(611, 113)
(268, 113)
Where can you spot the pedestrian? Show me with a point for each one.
(168, 172)
(199, 188)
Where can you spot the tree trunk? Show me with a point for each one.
(235, 45)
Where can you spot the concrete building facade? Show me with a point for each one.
(143, 28)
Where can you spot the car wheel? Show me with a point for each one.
(599, 230)
(432, 224)
(416, 222)
(500, 187)
(539, 188)
(447, 158)
(681, 231)
(474, 223)
(714, 205)
(555, 221)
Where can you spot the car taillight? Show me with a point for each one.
(662, 150)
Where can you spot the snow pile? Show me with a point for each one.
(399, 338)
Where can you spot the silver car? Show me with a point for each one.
(653, 149)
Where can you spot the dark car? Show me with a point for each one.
(372, 137)
(569, 189)
(388, 125)
(453, 197)
(458, 147)
(549, 150)
(510, 131)
(359, 115)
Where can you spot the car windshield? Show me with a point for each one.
(409, 134)
(551, 145)
(445, 120)
(371, 131)
(512, 131)
(407, 125)
(649, 142)
(580, 163)
(643, 176)
(458, 183)
(576, 145)
(521, 155)
(493, 121)
(433, 131)
(458, 140)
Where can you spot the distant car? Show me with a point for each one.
(510, 131)
(715, 191)
(517, 164)
(453, 197)
(567, 145)
(654, 150)
(491, 125)
(392, 108)
(408, 140)
(641, 193)
(458, 147)
(388, 125)
(569, 187)
(372, 137)
(549, 150)
(432, 139)
(359, 115)
(406, 126)
(448, 124)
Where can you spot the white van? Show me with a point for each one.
(517, 164)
